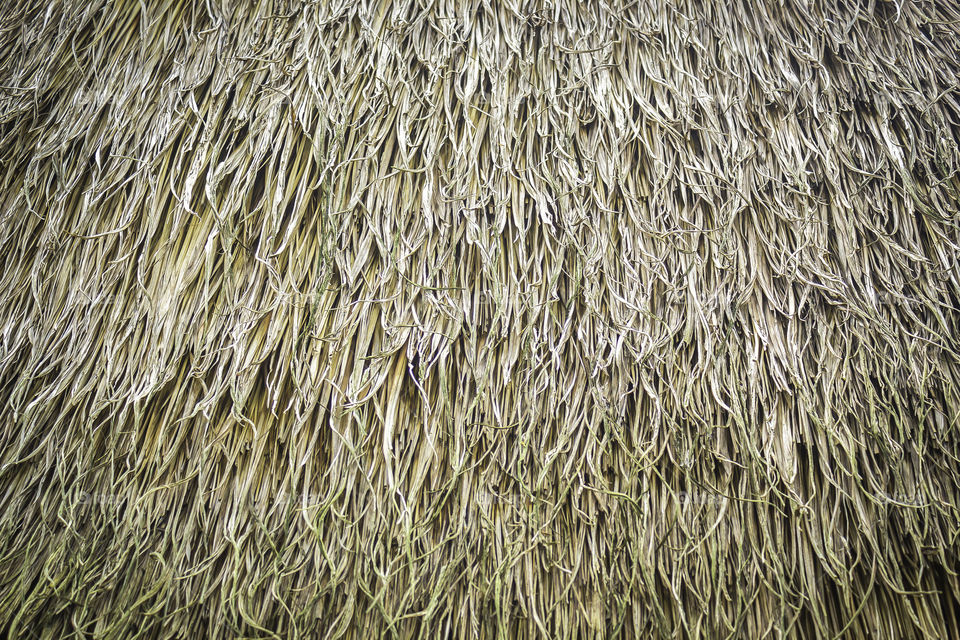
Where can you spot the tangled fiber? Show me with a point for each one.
(460, 319)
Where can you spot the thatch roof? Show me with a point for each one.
(485, 319)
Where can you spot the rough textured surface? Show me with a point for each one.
(479, 320)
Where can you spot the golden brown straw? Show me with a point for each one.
(479, 320)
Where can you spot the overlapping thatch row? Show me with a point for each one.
(479, 319)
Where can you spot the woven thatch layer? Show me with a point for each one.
(479, 320)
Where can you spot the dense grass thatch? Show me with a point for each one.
(455, 319)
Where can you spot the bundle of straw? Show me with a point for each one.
(479, 319)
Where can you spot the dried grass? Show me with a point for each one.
(479, 320)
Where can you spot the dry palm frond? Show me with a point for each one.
(479, 319)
